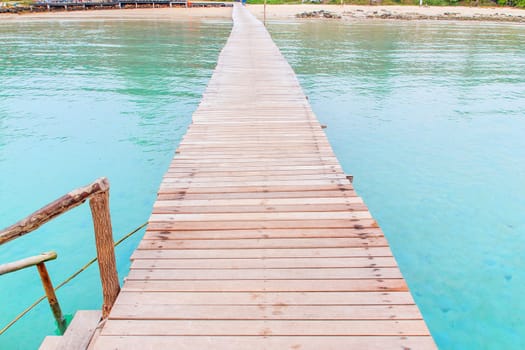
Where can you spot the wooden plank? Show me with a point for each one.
(205, 172)
(81, 330)
(261, 297)
(174, 233)
(172, 178)
(276, 243)
(265, 312)
(321, 273)
(305, 193)
(51, 342)
(341, 285)
(259, 263)
(292, 187)
(271, 216)
(256, 225)
(258, 209)
(310, 253)
(258, 239)
(266, 327)
(259, 201)
(176, 166)
(266, 343)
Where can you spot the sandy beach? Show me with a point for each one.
(354, 12)
(286, 12)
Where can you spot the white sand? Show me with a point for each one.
(276, 12)
(404, 12)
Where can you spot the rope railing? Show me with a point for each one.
(63, 283)
(98, 195)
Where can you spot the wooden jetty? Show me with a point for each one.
(76, 5)
(257, 239)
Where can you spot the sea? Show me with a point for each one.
(429, 117)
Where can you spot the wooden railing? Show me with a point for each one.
(98, 195)
(39, 262)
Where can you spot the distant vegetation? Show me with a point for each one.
(511, 3)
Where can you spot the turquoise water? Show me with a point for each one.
(80, 100)
(430, 119)
(428, 116)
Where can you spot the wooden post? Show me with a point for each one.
(51, 297)
(264, 17)
(99, 204)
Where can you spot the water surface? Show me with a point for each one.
(80, 100)
(430, 119)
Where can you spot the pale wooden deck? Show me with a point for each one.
(258, 240)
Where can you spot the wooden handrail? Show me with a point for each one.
(27, 262)
(39, 262)
(98, 195)
(61, 205)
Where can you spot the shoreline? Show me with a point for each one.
(288, 12)
(164, 13)
(394, 12)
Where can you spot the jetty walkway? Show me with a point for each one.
(257, 239)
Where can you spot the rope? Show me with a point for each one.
(82, 269)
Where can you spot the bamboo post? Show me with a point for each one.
(99, 204)
(51, 297)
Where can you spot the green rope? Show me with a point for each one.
(82, 269)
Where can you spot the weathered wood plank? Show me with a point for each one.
(266, 194)
(262, 297)
(265, 312)
(276, 243)
(266, 342)
(265, 216)
(311, 253)
(258, 239)
(50, 342)
(259, 263)
(341, 285)
(258, 201)
(267, 327)
(80, 331)
(173, 233)
(321, 273)
(256, 225)
(265, 188)
(259, 209)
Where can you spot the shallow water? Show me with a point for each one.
(430, 119)
(428, 116)
(80, 100)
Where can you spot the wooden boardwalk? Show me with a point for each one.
(257, 239)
